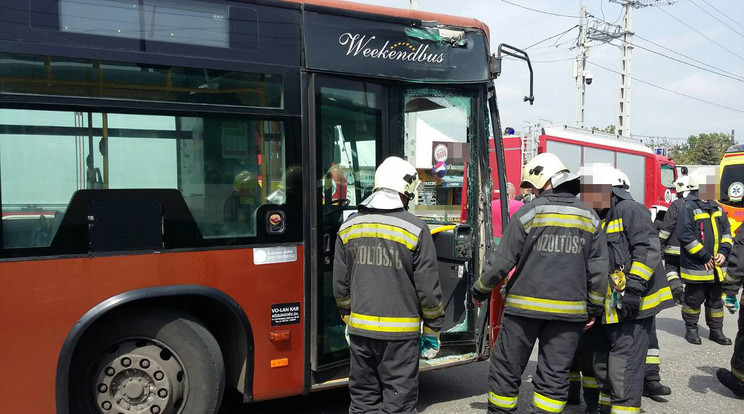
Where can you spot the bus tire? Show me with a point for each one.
(160, 362)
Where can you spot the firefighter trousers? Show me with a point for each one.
(384, 375)
(582, 369)
(695, 295)
(557, 345)
(652, 356)
(620, 353)
(737, 360)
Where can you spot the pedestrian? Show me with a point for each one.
(514, 205)
(704, 232)
(386, 283)
(638, 289)
(734, 379)
(559, 254)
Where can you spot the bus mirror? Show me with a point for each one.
(463, 242)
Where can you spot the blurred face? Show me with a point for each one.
(708, 191)
(596, 196)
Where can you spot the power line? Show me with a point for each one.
(721, 21)
(551, 37)
(722, 13)
(539, 11)
(670, 90)
(701, 34)
(688, 57)
(736, 78)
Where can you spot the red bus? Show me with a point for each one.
(173, 174)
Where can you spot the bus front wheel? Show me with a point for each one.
(148, 361)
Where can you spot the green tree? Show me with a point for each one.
(610, 129)
(702, 149)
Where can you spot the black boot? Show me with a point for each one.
(692, 336)
(727, 378)
(717, 336)
(574, 393)
(655, 388)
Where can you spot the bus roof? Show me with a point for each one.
(404, 13)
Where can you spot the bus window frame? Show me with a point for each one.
(293, 155)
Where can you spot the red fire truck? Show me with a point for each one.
(652, 176)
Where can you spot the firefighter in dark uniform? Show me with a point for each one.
(556, 291)
(638, 289)
(386, 283)
(704, 233)
(734, 379)
(670, 242)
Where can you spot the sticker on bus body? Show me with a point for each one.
(271, 255)
(285, 313)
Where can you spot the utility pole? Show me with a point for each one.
(580, 68)
(414, 4)
(626, 52)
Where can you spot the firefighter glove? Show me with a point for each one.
(429, 343)
(479, 296)
(631, 305)
(731, 304)
(678, 291)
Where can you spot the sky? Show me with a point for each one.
(654, 112)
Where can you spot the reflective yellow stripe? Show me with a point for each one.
(482, 287)
(574, 376)
(561, 220)
(690, 311)
(604, 399)
(546, 305)
(641, 270)
(595, 298)
(547, 404)
(663, 234)
(738, 374)
(384, 323)
(654, 360)
(382, 231)
(717, 213)
(715, 233)
(618, 409)
(610, 311)
(698, 278)
(700, 216)
(590, 382)
(655, 299)
(431, 313)
(501, 401)
(343, 303)
(727, 240)
(715, 314)
(696, 248)
(615, 226)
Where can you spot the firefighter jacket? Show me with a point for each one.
(704, 231)
(735, 271)
(560, 254)
(386, 275)
(634, 249)
(668, 233)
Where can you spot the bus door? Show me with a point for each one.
(357, 125)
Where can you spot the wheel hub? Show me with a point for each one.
(139, 377)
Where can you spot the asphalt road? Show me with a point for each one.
(689, 370)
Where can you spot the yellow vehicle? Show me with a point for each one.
(732, 185)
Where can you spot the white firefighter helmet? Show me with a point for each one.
(600, 173)
(398, 175)
(542, 168)
(695, 181)
(681, 184)
(623, 179)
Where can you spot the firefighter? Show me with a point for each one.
(734, 379)
(670, 242)
(704, 232)
(638, 289)
(556, 291)
(386, 282)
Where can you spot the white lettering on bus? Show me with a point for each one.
(361, 45)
